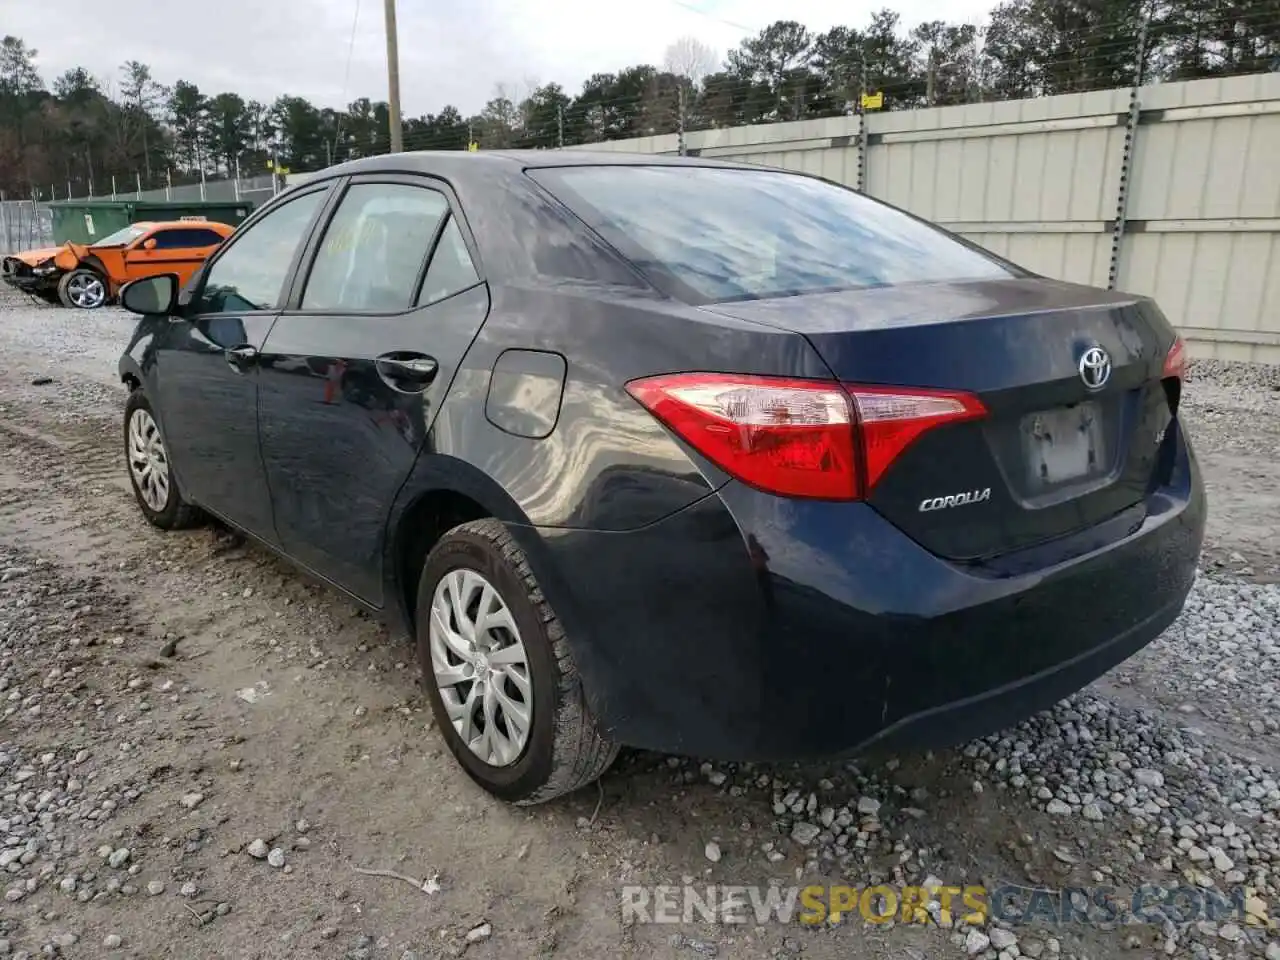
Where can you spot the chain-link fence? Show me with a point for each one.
(28, 224)
(24, 225)
(256, 190)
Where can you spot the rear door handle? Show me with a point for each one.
(414, 369)
(241, 358)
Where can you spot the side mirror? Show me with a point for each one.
(151, 295)
(149, 243)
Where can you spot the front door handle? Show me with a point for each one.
(414, 369)
(242, 358)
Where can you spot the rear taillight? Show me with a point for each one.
(798, 438)
(1175, 361)
(789, 437)
(890, 418)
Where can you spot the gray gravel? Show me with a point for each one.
(1226, 649)
(1231, 375)
(55, 801)
(76, 350)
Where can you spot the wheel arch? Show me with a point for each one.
(92, 262)
(130, 372)
(441, 493)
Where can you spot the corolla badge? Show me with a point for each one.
(955, 500)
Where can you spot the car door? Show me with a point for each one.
(354, 370)
(175, 249)
(206, 364)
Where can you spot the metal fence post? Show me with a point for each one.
(862, 130)
(1126, 161)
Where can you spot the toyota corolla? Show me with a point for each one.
(698, 457)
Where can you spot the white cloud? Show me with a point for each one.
(451, 51)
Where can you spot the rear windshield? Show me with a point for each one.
(706, 235)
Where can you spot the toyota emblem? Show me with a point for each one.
(1095, 368)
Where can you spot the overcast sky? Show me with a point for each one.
(451, 51)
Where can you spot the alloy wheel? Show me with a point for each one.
(480, 667)
(148, 461)
(86, 290)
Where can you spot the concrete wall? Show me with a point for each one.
(1038, 181)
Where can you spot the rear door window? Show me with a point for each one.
(374, 248)
(707, 234)
(451, 269)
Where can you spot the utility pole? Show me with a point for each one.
(559, 125)
(680, 144)
(393, 78)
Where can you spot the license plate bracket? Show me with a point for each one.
(1064, 445)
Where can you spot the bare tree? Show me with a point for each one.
(690, 57)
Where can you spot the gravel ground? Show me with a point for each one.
(202, 755)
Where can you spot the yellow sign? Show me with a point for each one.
(472, 147)
(872, 101)
(343, 237)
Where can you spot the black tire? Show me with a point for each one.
(565, 749)
(64, 294)
(177, 513)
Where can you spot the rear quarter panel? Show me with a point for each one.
(607, 464)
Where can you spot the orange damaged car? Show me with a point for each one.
(86, 276)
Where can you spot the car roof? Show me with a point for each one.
(458, 163)
(213, 224)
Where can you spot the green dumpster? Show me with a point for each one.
(88, 221)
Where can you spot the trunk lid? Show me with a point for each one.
(1056, 453)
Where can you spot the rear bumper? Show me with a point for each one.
(747, 627)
